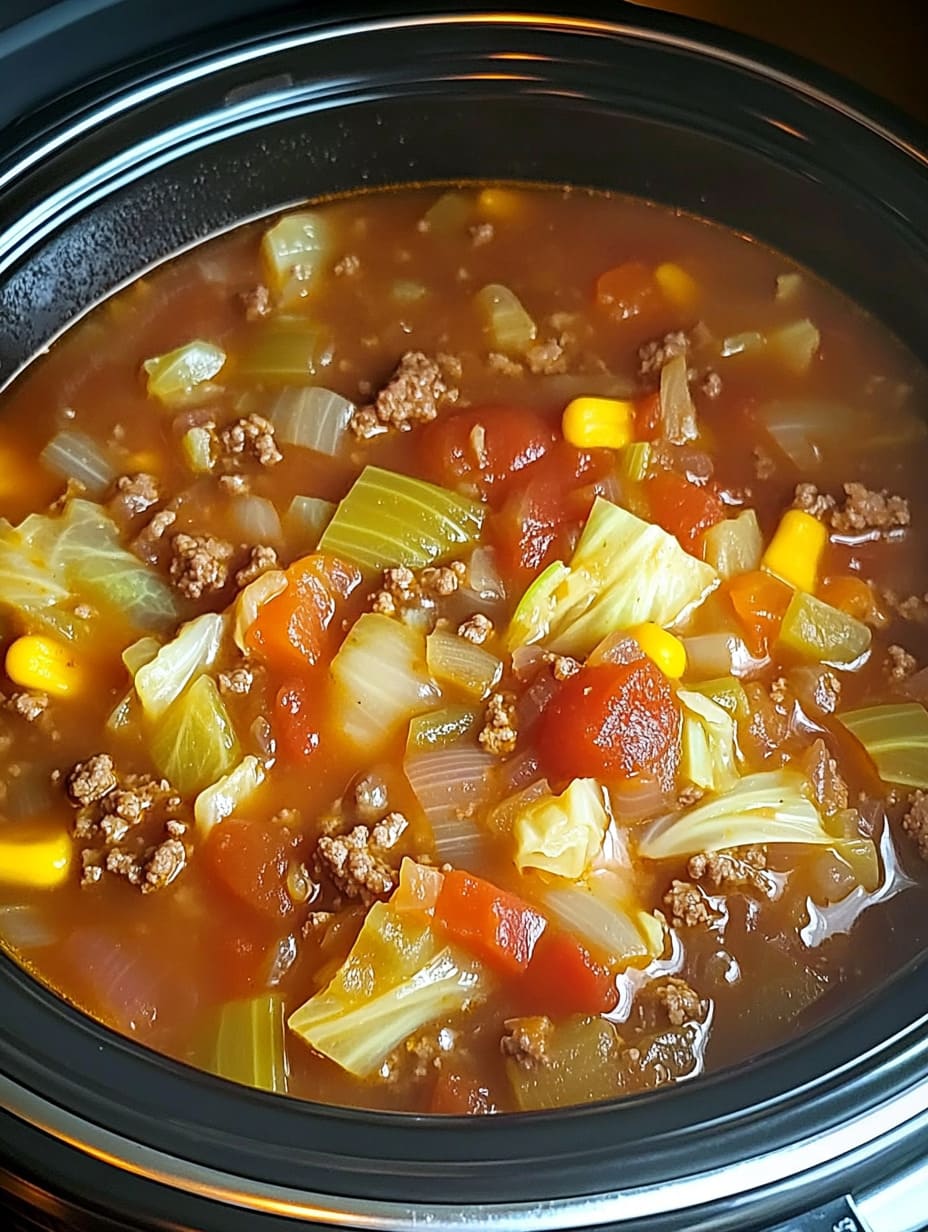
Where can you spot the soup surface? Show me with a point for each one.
(463, 653)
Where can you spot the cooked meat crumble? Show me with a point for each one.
(199, 564)
(414, 394)
(526, 1040)
(499, 733)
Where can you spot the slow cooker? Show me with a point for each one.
(134, 130)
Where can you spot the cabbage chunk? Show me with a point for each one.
(193, 743)
(709, 750)
(396, 979)
(562, 834)
(194, 649)
(624, 571)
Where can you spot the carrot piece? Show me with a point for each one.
(648, 417)
(854, 595)
(496, 926)
(563, 978)
(760, 602)
(627, 290)
(682, 508)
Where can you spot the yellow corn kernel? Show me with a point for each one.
(662, 648)
(676, 284)
(598, 423)
(794, 554)
(502, 203)
(34, 856)
(37, 662)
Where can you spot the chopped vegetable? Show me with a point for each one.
(796, 344)
(439, 728)
(896, 737)
(193, 743)
(254, 519)
(612, 721)
(494, 925)
(37, 662)
(451, 212)
(34, 855)
(678, 414)
(286, 351)
(305, 520)
(627, 290)
(175, 377)
(818, 631)
(662, 648)
(251, 600)
(164, 677)
(717, 654)
(197, 446)
(788, 287)
(563, 978)
(624, 572)
(734, 545)
(760, 602)
(635, 461)
(598, 423)
(507, 325)
(251, 860)
(748, 342)
(294, 250)
(709, 758)
(769, 807)
(583, 1060)
(395, 980)
(456, 661)
(295, 720)
(451, 785)
(381, 680)
(312, 418)
(226, 795)
(683, 509)
(676, 284)
(561, 834)
(390, 519)
(616, 930)
(794, 554)
(418, 887)
(75, 455)
(726, 692)
(809, 429)
(250, 1046)
(139, 653)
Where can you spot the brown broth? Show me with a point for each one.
(159, 967)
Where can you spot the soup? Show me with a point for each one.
(463, 653)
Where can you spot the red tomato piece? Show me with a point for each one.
(612, 721)
(682, 508)
(563, 978)
(295, 630)
(627, 290)
(496, 926)
(240, 953)
(484, 450)
(251, 861)
(460, 1093)
(648, 417)
(293, 722)
(760, 602)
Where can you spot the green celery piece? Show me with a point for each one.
(725, 691)
(896, 737)
(818, 631)
(439, 729)
(634, 461)
(173, 377)
(396, 979)
(768, 807)
(250, 1045)
(193, 743)
(389, 519)
(624, 571)
(285, 351)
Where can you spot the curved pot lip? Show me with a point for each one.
(865, 1104)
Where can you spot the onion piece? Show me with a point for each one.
(256, 520)
(306, 520)
(446, 784)
(455, 660)
(508, 326)
(678, 414)
(483, 576)
(24, 928)
(75, 456)
(311, 418)
(740, 344)
(796, 344)
(638, 798)
(613, 929)
(719, 654)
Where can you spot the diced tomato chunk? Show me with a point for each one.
(495, 926)
(294, 722)
(612, 721)
(295, 630)
(483, 450)
(563, 978)
(627, 290)
(760, 602)
(251, 860)
(459, 1092)
(648, 417)
(682, 508)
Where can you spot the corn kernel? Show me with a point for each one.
(676, 284)
(794, 554)
(598, 423)
(662, 648)
(36, 662)
(34, 856)
(501, 203)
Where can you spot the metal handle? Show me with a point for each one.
(899, 1204)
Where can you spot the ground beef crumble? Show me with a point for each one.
(764, 465)
(680, 1001)
(256, 302)
(371, 797)
(499, 733)
(199, 564)
(899, 664)
(413, 394)
(476, 629)
(688, 905)
(809, 499)
(134, 494)
(728, 870)
(353, 863)
(502, 365)
(653, 355)
(146, 542)
(481, 233)
(525, 1040)
(30, 705)
(237, 680)
(863, 511)
(90, 780)
(547, 358)
(828, 787)
(915, 822)
(260, 559)
(347, 266)
(251, 436)
(403, 590)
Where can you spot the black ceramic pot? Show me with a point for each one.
(243, 119)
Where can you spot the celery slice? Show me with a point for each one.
(634, 461)
(735, 545)
(456, 661)
(507, 325)
(193, 743)
(395, 980)
(389, 519)
(896, 737)
(293, 250)
(250, 1046)
(818, 631)
(439, 729)
(173, 378)
(197, 447)
(285, 351)
(726, 692)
